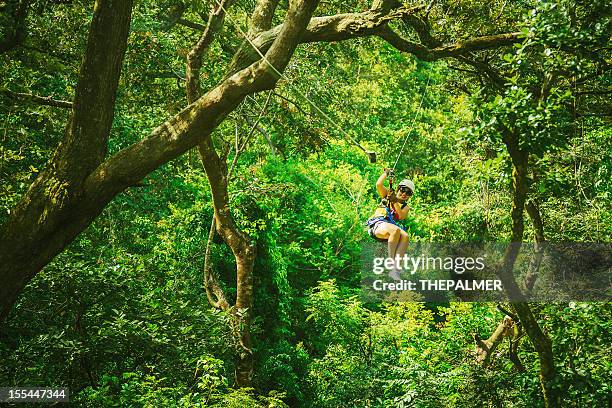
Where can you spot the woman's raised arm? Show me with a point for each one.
(380, 187)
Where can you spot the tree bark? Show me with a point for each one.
(451, 50)
(262, 16)
(346, 26)
(67, 197)
(194, 58)
(243, 250)
(241, 245)
(532, 273)
(79, 182)
(216, 172)
(56, 207)
(519, 157)
(338, 27)
(538, 247)
(218, 176)
(506, 329)
(539, 339)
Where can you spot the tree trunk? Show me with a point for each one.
(538, 246)
(540, 340)
(56, 207)
(543, 346)
(239, 243)
(244, 253)
(67, 196)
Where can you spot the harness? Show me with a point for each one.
(391, 214)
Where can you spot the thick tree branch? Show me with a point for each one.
(214, 292)
(194, 58)
(244, 254)
(217, 173)
(262, 16)
(86, 140)
(540, 340)
(53, 211)
(52, 214)
(451, 50)
(345, 26)
(374, 22)
(324, 29)
(195, 123)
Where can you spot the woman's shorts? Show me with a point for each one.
(372, 224)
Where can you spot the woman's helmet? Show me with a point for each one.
(406, 183)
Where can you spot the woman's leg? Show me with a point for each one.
(393, 235)
(403, 244)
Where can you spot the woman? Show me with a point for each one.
(382, 224)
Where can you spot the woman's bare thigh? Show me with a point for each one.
(384, 229)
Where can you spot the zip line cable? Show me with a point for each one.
(413, 121)
(281, 75)
(371, 155)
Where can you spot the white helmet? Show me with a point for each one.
(407, 183)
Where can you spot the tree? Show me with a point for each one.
(530, 111)
(79, 180)
(521, 90)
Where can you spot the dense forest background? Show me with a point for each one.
(142, 308)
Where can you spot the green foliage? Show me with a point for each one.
(122, 318)
(408, 353)
(148, 390)
(581, 333)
